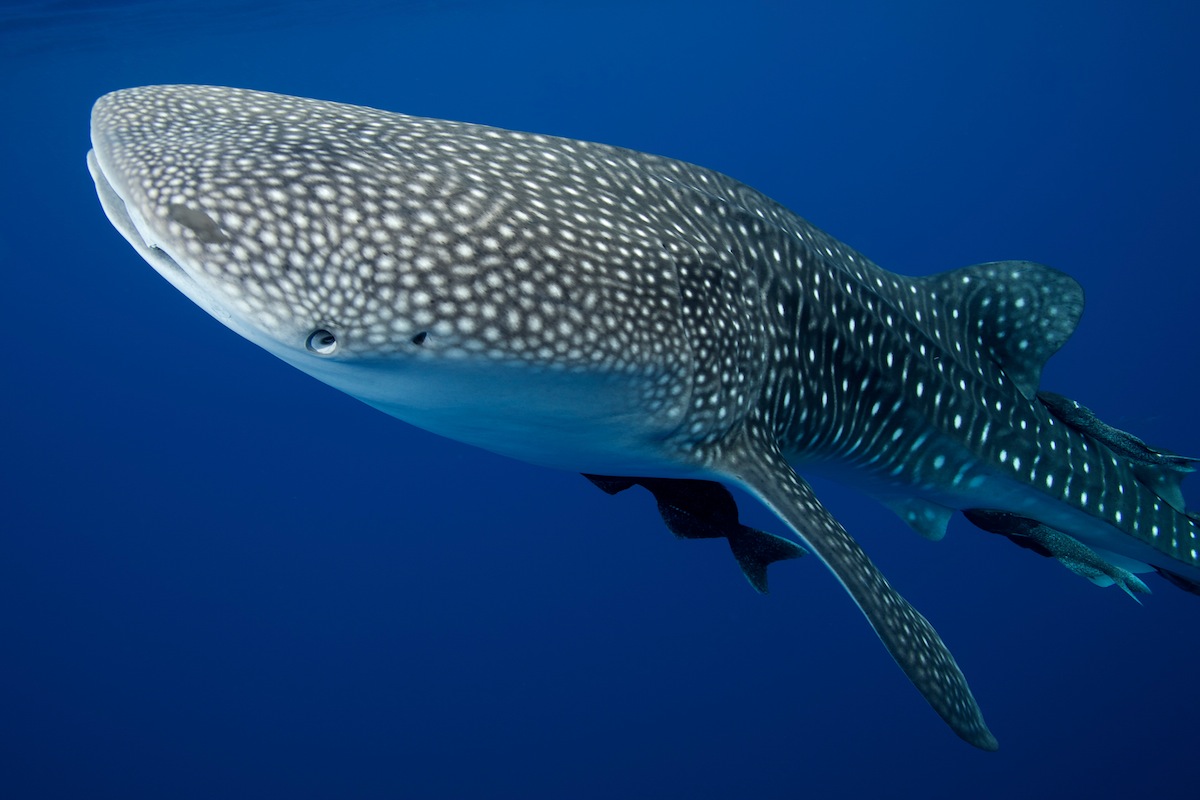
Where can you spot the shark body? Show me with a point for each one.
(620, 314)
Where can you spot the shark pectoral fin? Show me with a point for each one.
(907, 635)
(926, 518)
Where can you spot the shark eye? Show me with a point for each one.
(321, 342)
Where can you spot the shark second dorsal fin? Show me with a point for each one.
(1166, 483)
(756, 463)
(1016, 313)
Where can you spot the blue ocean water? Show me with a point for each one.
(219, 577)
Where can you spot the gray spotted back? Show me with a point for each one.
(477, 243)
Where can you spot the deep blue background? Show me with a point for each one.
(219, 577)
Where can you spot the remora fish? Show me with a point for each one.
(620, 314)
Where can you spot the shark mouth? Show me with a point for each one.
(137, 231)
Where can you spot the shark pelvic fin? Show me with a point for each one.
(696, 509)
(755, 462)
(926, 518)
(1020, 312)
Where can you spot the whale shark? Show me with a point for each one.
(645, 322)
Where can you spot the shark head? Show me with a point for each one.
(483, 284)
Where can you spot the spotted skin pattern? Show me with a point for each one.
(618, 313)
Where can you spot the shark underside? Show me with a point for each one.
(645, 322)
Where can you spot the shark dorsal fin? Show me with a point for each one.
(1017, 313)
